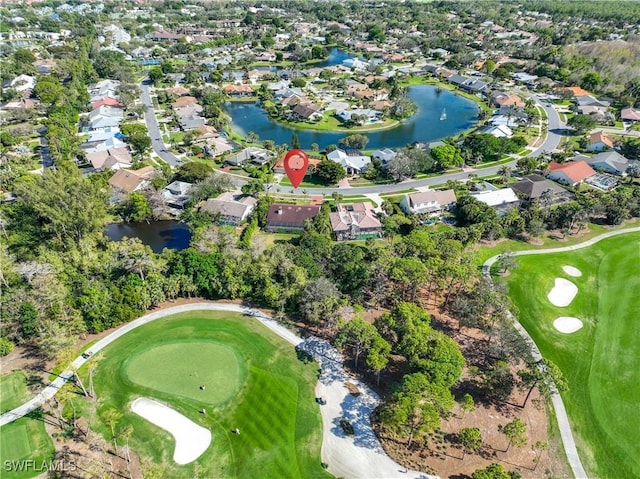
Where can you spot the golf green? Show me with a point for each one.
(25, 448)
(253, 381)
(601, 361)
(199, 370)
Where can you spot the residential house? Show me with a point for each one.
(110, 159)
(45, 66)
(259, 156)
(129, 181)
(307, 111)
(355, 222)
(431, 202)
(279, 166)
(571, 173)
(525, 78)
(284, 217)
(384, 155)
(500, 99)
(184, 101)
(365, 115)
(104, 118)
(499, 131)
(103, 89)
(630, 115)
(106, 101)
(218, 146)
(176, 194)
(22, 83)
(499, 199)
(204, 133)
(190, 122)
(103, 140)
(609, 162)
(590, 100)
(238, 90)
(230, 208)
(599, 141)
(24, 103)
(537, 187)
(351, 160)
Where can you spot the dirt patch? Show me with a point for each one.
(352, 388)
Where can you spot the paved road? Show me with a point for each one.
(354, 457)
(154, 129)
(561, 413)
(45, 154)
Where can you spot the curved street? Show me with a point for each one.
(555, 128)
(357, 456)
(561, 413)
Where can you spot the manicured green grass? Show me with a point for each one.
(24, 444)
(177, 377)
(13, 390)
(273, 406)
(601, 361)
(484, 253)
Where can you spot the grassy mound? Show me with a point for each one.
(180, 368)
(270, 397)
(601, 361)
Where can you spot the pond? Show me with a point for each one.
(156, 234)
(440, 114)
(336, 57)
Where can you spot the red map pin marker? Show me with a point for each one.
(296, 163)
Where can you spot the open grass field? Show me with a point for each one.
(253, 381)
(601, 361)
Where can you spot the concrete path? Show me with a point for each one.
(561, 413)
(357, 456)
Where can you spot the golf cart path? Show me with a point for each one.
(561, 413)
(357, 456)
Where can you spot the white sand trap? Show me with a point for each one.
(572, 271)
(191, 440)
(563, 292)
(566, 324)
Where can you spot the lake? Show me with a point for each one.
(426, 125)
(156, 234)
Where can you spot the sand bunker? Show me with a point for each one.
(566, 324)
(563, 292)
(191, 440)
(571, 271)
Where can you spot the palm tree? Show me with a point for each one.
(505, 173)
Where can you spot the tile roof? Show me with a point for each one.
(359, 214)
(576, 171)
(290, 215)
(600, 137)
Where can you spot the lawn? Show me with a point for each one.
(13, 390)
(253, 381)
(601, 361)
(25, 449)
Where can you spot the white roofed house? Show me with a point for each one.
(351, 160)
(355, 222)
(501, 199)
(430, 202)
